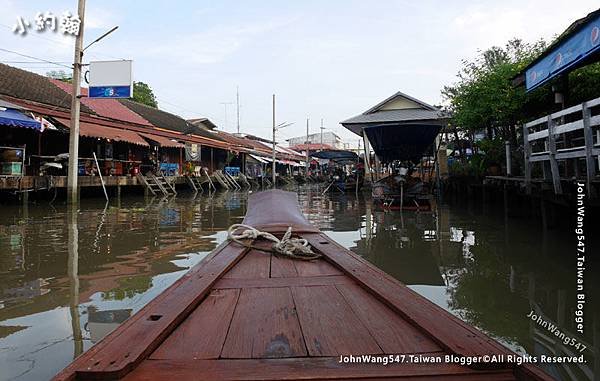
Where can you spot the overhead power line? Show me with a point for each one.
(30, 62)
(35, 58)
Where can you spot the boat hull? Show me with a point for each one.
(244, 313)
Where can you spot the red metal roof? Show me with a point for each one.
(98, 131)
(110, 108)
(163, 141)
(64, 114)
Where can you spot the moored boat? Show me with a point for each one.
(245, 313)
(343, 170)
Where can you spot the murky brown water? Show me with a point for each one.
(68, 277)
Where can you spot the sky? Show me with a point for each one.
(322, 59)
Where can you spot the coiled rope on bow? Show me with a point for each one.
(296, 248)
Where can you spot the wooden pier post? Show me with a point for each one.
(589, 145)
(25, 197)
(527, 154)
(508, 158)
(552, 156)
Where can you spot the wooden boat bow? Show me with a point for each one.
(243, 314)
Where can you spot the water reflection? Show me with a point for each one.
(70, 276)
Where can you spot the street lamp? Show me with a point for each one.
(275, 129)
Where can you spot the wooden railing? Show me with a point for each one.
(554, 138)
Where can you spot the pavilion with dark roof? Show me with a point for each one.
(399, 128)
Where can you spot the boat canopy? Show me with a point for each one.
(336, 155)
(399, 128)
(402, 141)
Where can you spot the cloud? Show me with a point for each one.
(99, 18)
(213, 45)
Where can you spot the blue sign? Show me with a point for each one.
(576, 48)
(233, 171)
(109, 92)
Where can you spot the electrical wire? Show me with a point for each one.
(29, 62)
(66, 44)
(34, 58)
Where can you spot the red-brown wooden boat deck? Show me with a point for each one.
(243, 314)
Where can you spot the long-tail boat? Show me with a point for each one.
(244, 313)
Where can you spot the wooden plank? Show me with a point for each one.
(283, 282)
(115, 355)
(566, 111)
(571, 153)
(541, 120)
(594, 120)
(329, 325)
(392, 333)
(446, 330)
(264, 325)
(568, 127)
(537, 135)
(305, 369)
(539, 157)
(593, 102)
(319, 267)
(255, 264)
(282, 267)
(202, 334)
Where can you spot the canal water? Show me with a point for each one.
(68, 277)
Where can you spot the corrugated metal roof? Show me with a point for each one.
(166, 120)
(163, 141)
(22, 84)
(404, 115)
(10, 105)
(98, 131)
(110, 108)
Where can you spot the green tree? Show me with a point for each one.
(484, 96)
(142, 93)
(60, 75)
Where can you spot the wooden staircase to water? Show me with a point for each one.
(157, 185)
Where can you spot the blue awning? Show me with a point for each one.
(336, 155)
(566, 56)
(15, 118)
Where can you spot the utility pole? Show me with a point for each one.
(75, 107)
(306, 142)
(273, 164)
(322, 128)
(237, 96)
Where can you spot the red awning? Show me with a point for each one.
(162, 141)
(98, 131)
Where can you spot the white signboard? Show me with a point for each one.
(111, 79)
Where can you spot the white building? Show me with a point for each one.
(329, 138)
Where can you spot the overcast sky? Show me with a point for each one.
(322, 59)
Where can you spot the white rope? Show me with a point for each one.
(297, 248)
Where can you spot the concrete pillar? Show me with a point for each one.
(443, 161)
(508, 159)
